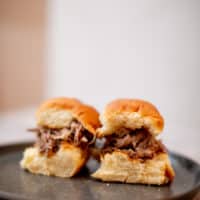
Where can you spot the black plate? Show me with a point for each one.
(18, 184)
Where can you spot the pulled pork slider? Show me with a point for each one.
(65, 130)
(131, 152)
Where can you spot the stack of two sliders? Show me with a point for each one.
(67, 129)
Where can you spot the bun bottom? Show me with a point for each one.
(66, 162)
(118, 167)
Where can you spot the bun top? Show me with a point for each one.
(59, 112)
(131, 114)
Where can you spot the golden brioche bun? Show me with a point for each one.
(131, 114)
(65, 163)
(59, 112)
(119, 167)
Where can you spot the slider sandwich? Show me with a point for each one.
(65, 130)
(132, 153)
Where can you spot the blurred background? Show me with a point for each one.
(98, 51)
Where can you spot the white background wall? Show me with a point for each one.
(101, 50)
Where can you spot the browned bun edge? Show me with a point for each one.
(131, 114)
(135, 105)
(62, 103)
(63, 107)
(88, 116)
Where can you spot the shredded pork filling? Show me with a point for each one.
(137, 144)
(49, 140)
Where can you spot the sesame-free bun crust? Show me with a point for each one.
(59, 112)
(65, 163)
(118, 167)
(131, 114)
